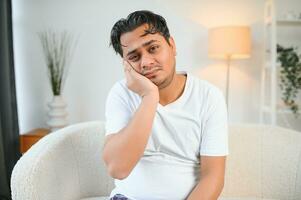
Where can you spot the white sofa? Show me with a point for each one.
(264, 163)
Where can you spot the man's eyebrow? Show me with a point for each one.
(144, 44)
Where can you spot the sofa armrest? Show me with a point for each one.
(51, 168)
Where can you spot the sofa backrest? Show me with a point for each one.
(264, 161)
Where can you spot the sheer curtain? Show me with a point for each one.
(9, 130)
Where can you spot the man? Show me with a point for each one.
(166, 131)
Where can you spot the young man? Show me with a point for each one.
(166, 131)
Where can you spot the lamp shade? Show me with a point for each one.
(229, 42)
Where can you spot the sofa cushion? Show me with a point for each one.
(221, 198)
(243, 198)
(96, 198)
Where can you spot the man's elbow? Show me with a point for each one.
(115, 169)
(117, 173)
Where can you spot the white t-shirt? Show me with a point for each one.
(193, 125)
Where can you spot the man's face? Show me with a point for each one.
(150, 55)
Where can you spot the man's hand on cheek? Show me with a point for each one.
(137, 82)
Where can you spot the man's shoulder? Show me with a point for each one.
(119, 85)
(120, 91)
(120, 88)
(205, 87)
(211, 97)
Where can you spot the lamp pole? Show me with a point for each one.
(228, 58)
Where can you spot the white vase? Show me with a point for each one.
(57, 113)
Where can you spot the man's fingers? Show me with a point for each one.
(127, 71)
(127, 63)
(126, 66)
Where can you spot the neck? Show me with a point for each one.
(174, 90)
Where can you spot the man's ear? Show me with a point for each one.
(172, 45)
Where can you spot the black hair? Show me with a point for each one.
(155, 22)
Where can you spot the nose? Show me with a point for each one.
(147, 62)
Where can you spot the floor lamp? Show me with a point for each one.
(229, 43)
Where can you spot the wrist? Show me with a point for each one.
(151, 96)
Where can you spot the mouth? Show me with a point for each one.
(152, 73)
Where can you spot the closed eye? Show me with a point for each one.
(134, 58)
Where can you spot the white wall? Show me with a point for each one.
(95, 67)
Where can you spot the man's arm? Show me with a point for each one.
(122, 150)
(212, 173)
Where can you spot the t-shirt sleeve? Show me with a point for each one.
(215, 132)
(117, 111)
